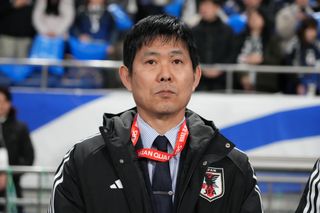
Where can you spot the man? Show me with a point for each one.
(195, 168)
(16, 31)
(310, 200)
(15, 140)
(215, 39)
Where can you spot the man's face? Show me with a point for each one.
(302, 3)
(96, 2)
(5, 105)
(252, 4)
(310, 35)
(162, 78)
(208, 10)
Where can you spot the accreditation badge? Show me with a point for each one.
(213, 184)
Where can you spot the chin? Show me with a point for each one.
(167, 110)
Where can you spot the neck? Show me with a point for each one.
(162, 123)
(211, 19)
(256, 32)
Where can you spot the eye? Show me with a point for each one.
(151, 62)
(177, 61)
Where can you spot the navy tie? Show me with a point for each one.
(161, 181)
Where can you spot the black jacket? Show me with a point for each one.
(19, 146)
(18, 142)
(84, 180)
(215, 42)
(309, 201)
(16, 22)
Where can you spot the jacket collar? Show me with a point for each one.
(204, 139)
(116, 134)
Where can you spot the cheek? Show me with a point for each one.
(4, 108)
(187, 85)
(141, 86)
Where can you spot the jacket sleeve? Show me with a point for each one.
(310, 200)
(62, 22)
(252, 202)
(26, 153)
(66, 18)
(66, 194)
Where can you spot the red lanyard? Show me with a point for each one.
(154, 154)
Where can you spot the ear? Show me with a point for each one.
(125, 77)
(197, 77)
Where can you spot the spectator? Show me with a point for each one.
(16, 139)
(306, 52)
(263, 7)
(253, 43)
(310, 201)
(53, 17)
(215, 42)
(94, 23)
(288, 19)
(16, 31)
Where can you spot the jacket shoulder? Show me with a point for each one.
(88, 146)
(240, 159)
(17, 125)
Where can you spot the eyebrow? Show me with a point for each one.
(173, 52)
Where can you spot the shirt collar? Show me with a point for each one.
(148, 134)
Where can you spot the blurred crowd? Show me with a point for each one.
(267, 32)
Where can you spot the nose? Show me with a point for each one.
(165, 74)
(165, 78)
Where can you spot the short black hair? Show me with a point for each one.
(216, 2)
(308, 22)
(6, 92)
(152, 27)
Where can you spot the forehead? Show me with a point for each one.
(163, 44)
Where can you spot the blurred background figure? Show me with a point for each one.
(16, 31)
(53, 17)
(94, 23)
(305, 52)
(214, 40)
(252, 47)
(15, 138)
(94, 35)
(288, 19)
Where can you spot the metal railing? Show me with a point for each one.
(267, 169)
(110, 64)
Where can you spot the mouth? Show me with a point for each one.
(165, 93)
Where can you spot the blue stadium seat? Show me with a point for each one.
(237, 22)
(121, 18)
(174, 8)
(88, 50)
(16, 73)
(42, 47)
(49, 48)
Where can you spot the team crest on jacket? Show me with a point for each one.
(213, 184)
